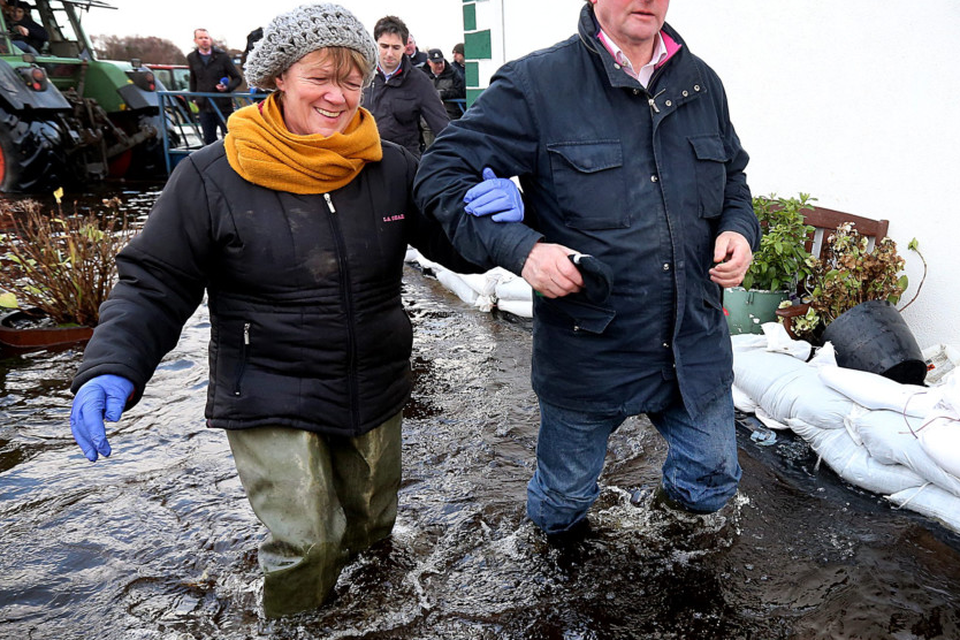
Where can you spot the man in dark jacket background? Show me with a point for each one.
(631, 168)
(209, 65)
(400, 94)
(447, 82)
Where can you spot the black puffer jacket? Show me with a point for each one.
(307, 328)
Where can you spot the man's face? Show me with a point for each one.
(203, 40)
(458, 57)
(631, 23)
(391, 51)
(436, 66)
(411, 46)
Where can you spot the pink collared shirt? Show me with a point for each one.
(660, 54)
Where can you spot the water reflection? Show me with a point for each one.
(159, 541)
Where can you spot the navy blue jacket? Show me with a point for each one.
(307, 329)
(643, 179)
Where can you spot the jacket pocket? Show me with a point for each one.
(589, 182)
(711, 173)
(242, 360)
(576, 314)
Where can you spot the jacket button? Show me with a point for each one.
(654, 179)
(666, 266)
(669, 103)
(696, 87)
(686, 93)
(666, 345)
(616, 66)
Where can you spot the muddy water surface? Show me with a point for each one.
(158, 541)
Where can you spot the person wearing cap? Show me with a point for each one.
(622, 142)
(209, 66)
(447, 82)
(458, 62)
(295, 227)
(401, 96)
(28, 35)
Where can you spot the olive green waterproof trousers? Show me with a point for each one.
(323, 499)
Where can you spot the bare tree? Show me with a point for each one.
(146, 48)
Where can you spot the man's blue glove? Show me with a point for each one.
(497, 196)
(101, 397)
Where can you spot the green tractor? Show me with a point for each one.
(67, 118)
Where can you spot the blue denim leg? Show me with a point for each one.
(570, 452)
(701, 471)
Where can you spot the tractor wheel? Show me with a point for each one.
(32, 158)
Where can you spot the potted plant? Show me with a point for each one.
(56, 271)
(851, 294)
(778, 266)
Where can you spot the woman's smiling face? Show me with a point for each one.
(319, 97)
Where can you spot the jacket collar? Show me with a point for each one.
(588, 29)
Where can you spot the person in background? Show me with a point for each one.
(398, 97)
(417, 58)
(458, 63)
(28, 36)
(447, 82)
(295, 227)
(209, 67)
(622, 142)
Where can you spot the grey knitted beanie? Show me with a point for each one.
(294, 34)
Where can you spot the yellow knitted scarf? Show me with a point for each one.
(261, 149)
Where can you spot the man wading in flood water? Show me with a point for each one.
(622, 142)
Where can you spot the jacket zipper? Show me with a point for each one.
(242, 365)
(352, 383)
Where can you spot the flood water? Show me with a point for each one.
(158, 541)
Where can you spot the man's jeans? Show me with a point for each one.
(700, 473)
(210, 121)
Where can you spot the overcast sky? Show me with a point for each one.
(434, 23)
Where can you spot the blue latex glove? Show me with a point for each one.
(497, 196)
(101, 397)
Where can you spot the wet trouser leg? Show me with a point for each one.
(701, 472)
(571, 448)
(321, 499)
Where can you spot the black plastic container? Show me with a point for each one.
(874, 337)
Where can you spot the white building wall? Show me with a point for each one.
(854, 102)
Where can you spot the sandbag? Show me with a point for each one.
(853, 463)
(874, 391)
(889, 438)
(931, 501)
(940, 439)
(788, 388)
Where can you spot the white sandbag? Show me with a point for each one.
(779, 341)
(874, 391)
(854, 463)
(931, 501)
(513, 288)
(522, 308)
(748, 342)
(788, 388)
(889, 438)
(741, 400)
(940, 439)
(459, 285)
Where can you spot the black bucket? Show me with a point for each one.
(874, 337)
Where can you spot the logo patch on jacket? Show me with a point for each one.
(393, 218)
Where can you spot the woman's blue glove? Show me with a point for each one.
(497, 196)
(101, 397)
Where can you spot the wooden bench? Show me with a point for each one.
(826, 221)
